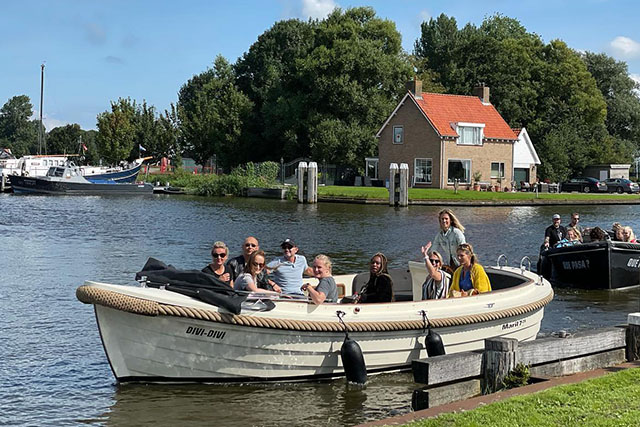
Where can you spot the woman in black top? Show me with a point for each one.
(379, 288)
(218, 267)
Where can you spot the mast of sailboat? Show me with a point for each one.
(41, 134)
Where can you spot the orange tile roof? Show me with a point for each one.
(446, 110)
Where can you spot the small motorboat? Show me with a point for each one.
(166, 331)
(125, 173)
(69, 180)
(604, 264)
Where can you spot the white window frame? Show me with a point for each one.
(467, 172)
(428, 170)
(500, 170)
(478, 133)
(374, 161)
(398, 134)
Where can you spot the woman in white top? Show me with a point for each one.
(450, 236)
(247, 280)
(436, 285)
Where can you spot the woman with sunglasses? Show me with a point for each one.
(436, 285)
(248, 281)
(470, 278)
(218, 267)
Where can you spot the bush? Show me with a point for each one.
(518, 377)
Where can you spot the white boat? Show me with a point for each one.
(31, 165)
(155, 335)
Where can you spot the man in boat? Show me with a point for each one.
(239, 263)
(575, 223)
(288, 269)
(554, 233)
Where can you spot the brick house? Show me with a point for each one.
(447, 137)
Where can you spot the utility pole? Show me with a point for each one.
(41, 134)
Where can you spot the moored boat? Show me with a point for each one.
(69, 180)
(151, 334)
(605, 264)
(125, 173)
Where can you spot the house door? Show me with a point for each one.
(520, 175)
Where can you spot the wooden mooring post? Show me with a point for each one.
(459, 376)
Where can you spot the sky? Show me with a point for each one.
(96, 51)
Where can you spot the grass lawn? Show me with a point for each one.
(436, 194)
(611, 400)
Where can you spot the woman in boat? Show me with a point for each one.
(218, 267)
(379, 288)
(450, 236)
(470, 278)
(326, 291)
(617, 229)
(248, 281)
(573, 238)
(627, 235)
(436, 285)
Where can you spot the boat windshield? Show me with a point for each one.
(55, 171)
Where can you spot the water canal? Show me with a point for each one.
(53, 370)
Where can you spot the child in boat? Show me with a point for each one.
(470, 278)
(627, 235)
(326, 291)
(573, 238)
(436, 285)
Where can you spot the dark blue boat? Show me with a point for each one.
(125, 174)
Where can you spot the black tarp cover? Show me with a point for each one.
(193, 283)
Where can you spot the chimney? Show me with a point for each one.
(482, 92)
(415, 87)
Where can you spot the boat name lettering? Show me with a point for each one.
(514, 324)
(202, 332)
(581, 264)
(633, 262)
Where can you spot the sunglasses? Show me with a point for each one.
(287, 248)
(434, 261)
(250, 245)
(258, 264)
(214, 255)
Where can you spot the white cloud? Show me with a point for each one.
(625, 47)
(636, 78)
(424, 15)
(49, 122)
(317, 9)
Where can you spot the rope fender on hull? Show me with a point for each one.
(93, 295)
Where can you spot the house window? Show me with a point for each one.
(497, 170)
(460, 170)
(422, 171)
(371, 167)
(470, 133)
(398, 134)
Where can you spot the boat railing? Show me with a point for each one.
(522, 262)
(506, 261)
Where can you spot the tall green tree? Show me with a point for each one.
(17, 131)
(212, 112)
(65, 139)
(116, 131)
(620, 93)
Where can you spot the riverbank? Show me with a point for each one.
(600, 397)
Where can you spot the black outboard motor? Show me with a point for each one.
(433, 340)
(352, 358)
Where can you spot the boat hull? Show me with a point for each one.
(23, 184)
(597, 265)
(126, 176)
(182, 339)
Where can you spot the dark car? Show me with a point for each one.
(586, 185)
(621, 185)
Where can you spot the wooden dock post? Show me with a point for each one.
(632, 352)
(312, 182)
(3, 184)
(500, 358)
(302, 173)
(403, 199)
(393, 183)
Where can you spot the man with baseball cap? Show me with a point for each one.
(288, 269)
(554, 233)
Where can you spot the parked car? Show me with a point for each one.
(621, 185)
(586, 185)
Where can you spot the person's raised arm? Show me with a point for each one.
(433, 272)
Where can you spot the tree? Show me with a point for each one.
(64, 139)
(212, 112)
(17, 131)
(620, 93)
(116, 131)
(168, 143)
